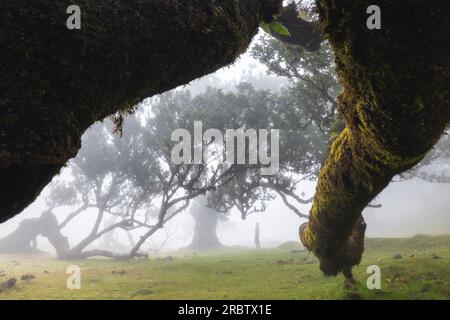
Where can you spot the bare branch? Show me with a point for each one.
(72, 215)
(290, 206)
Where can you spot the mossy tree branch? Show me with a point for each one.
(396, 104)
(56, 82)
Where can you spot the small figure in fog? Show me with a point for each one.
(257, 243)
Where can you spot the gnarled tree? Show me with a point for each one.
(23, 239)
(396, 105)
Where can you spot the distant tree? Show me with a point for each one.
(205, 229)
(22, 239)
(125, 176)
(301, 149)
(99, 184)
(313, 83)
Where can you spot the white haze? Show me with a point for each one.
(408, 208)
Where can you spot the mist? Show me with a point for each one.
(408, 207)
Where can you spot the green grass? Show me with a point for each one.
(239, 274)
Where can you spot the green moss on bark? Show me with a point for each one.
(55, 82)
(396, 105)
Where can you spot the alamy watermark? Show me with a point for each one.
(240, 146)
(374, 20)
(74, 279)
(74, 20)
(374, 280)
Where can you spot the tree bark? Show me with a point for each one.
(396, 105)
(56, 82)
(21, 184)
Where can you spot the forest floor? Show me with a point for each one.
(412, 268)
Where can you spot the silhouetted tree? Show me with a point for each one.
(205, 229)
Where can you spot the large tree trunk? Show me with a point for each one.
(56, 82)
(396, 104)
(205, 230)
(20, 240)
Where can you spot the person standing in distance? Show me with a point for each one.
(257, 242)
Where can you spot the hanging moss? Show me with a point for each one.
(396, 105)
(56, 82)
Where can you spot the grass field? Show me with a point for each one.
(422, 272)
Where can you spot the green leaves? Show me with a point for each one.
(275, 27)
